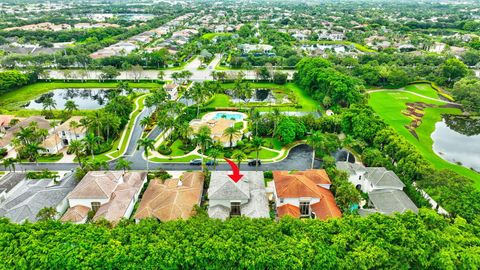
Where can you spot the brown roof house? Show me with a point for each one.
(304, 194)
(63, 135)
(111, 195)
(172, 199)
(10, 133)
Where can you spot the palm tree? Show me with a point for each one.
(123, 164)
(74, 125)
(70, 106)
(203, 138)
(231, 132)
(9, 163)
(91, 142)
(145, 121)
(316, 141)
(147, 144)
(161, 75)
(49, 103)
(76, 147)
(214, 153)
(54, 125)
(276, 117)
(257, 143)
(32, 151)
(239, 156)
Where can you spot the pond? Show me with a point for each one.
(85, 98)
(260, 95)
(457, 140)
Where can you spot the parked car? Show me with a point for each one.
(211, 163)
(196, 162)
(254, 162)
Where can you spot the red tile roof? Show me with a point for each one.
(288, 209)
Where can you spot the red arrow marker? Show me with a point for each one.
(236, 176)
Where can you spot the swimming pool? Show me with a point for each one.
(226, 115)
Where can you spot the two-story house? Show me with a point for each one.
(304, 194)
(247, 197)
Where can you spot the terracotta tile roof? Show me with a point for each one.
(306, 184)
(75, 214)
(288, 209)
(10, 134)
(96, 185)
(294, 185)
(173, 199)
(317, 176)
(5, 120)
(327, 207)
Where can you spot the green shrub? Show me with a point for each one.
(164, 150)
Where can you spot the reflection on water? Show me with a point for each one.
(463, 124)
(458, 141)
(85, 99)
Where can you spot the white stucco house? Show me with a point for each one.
(172, 90)
(63, 135)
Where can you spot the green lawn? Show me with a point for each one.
(139, 105)
(210, 36)
(307, 103)
(264, 154)
(219, 100)
(423, 89)
(389, 106)
(15, 98)
(276, 144)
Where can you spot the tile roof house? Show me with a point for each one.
(304, 194)
(8, 183)
(172, 90)
(247, 197)
(384, 188)
(217, 128)
(31, 196)
(173, 198)
(112, 195)
(5, 122)
(10, 133)
(63, 135)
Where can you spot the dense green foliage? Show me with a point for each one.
(424, 241)
(12, 79)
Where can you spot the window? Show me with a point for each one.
(95, 206)
(281, 200)
(305, 209)
(360, 177)
(235, 209)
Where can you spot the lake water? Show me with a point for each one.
(85, 98)
(457, 139)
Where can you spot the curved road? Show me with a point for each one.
(299, 158)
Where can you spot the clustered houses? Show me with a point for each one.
(384, 189)
(63, 135)
(11, 130)
(133, 43)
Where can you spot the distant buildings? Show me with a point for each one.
(172, 90)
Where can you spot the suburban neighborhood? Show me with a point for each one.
(218, 134)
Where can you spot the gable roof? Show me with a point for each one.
(10, 180)
(381, 177)
(76, 213)
(296, 185)
(223, 188)
(173, 199)
(350, 168)
(10, 133)
(288, 210)
(391, 201)
(65, 126)
(34, 195)
(96, 185)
